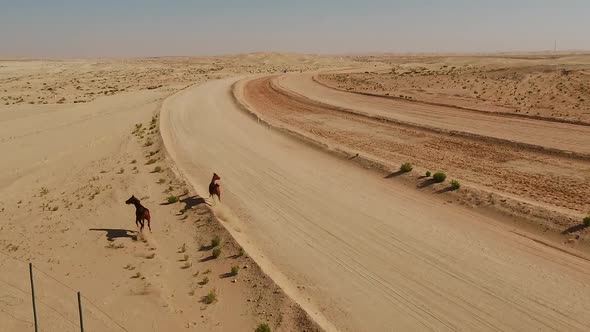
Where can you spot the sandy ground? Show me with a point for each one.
(308, 230)
(555, 86)
(349, 244)
(539, 181)
(73, 155)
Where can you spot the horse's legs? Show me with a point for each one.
(149, 225)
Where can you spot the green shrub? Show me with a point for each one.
(406, 167)
(172, 199)
(216, 252)
(439, 177)
(215, 241)
(262, 328)
(587, 221)
(428, 174)
(455, 185)
(234, 270)
(211, 297)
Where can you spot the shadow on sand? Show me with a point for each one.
(574, 229)
(115, 233)
(426, 183)
(394, 174)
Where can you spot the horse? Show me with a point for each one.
(214, 187)
(141, 213)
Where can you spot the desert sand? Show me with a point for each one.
(326, 233)
(73, 155)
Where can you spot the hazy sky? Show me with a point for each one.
(84, 28)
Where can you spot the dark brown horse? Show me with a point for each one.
(141, 213)
(214, 187)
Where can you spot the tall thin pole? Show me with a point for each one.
(80, 310)
(33, 295)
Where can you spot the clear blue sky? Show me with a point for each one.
(84, 28)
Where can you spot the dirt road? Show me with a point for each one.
(552, 135)
(361, 252)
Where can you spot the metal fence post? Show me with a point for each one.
(80, 310)
(33, 295)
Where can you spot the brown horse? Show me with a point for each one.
(214, 187)
(141, 213)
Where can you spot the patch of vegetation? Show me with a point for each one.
(211, 297)
(157, 169)
(263, 327)
(151, 161)
(207, 271)
(161, 181)
(44, 191)
(428, 174)
(455, 185)
(216, 252)
(241, 252)
(234, 270)
(148, 142)
(406, 167)
(587, 221)
(215, 241)
(121, 171)
(172, 199)
(439, 177)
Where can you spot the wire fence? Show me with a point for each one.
(58, 306)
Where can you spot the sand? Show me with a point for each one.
(72, 156)
(554, 86)
(332, 241)
(349, 244)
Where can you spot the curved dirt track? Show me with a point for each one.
(552, 135)
(362, 252)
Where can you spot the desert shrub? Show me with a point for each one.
(241, 252)
(439, 177)
(157, 169)
(172, 199)
(211, 297)
(263, 327)
(161, 181)
(587, 221)
(133, 161)
(234, 270)
(455, 185)
(216, 252)
(151, 161)
(406, 167)
(428, 173)
(215, 241)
